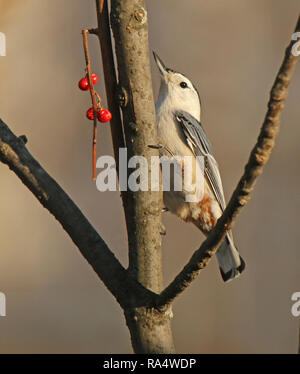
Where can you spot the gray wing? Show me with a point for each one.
(197, 140)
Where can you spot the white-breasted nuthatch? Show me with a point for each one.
(180, 132)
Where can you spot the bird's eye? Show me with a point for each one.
(183, 85)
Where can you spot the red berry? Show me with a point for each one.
(104, 115)
(95, 78)
(90, 113)
(83, 84)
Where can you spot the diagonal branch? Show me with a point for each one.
(14, 153)
(258, 158)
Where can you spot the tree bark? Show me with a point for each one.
(150, 329)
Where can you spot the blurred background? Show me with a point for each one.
(231, 51)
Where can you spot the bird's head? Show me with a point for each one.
(177, 91)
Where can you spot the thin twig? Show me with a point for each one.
(93, 97)
(101, 5)
(258, 158)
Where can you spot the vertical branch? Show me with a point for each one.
(129, 23)
(111, 86)
(93, 96)
(150, 332)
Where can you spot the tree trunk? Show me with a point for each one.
(150, 329)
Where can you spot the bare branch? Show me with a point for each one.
(258, 158)
(14, 153)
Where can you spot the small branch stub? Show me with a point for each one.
(122, 97)
(23, 138)
(140, 15)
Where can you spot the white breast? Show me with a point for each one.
(170, 133)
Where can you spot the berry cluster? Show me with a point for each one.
(84, 85)
(103, 115)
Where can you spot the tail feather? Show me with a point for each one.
(230, 262)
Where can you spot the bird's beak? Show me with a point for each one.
(161, 66)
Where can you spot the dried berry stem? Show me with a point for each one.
(94, 95)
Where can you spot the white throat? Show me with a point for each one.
(171, 103)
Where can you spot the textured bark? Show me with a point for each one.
(150, 330)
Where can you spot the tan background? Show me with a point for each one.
(231, 50)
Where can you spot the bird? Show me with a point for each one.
(180, 134)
